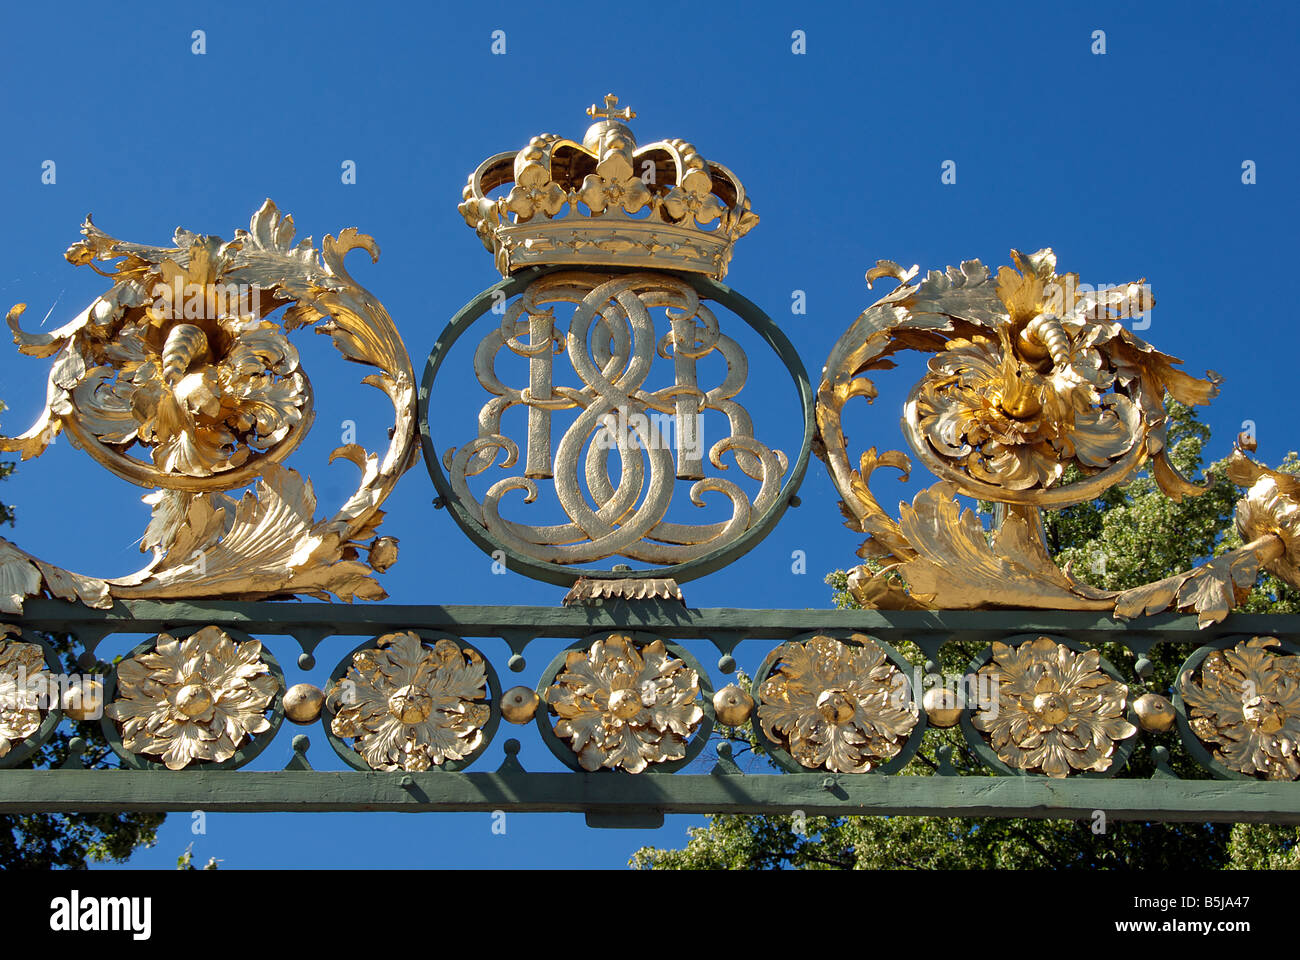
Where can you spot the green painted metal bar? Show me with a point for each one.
(90, 791)
(139, 616)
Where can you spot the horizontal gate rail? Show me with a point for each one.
(618, 798)
(89, 791)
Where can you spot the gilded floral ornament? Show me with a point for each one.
(177, 379)
(201, 380)
(614, 184)
(1268, 519)
(844, 707)
(1269, 515)
(625, 706)
(1245, 707)
(1057, 711)
(693, 197)
(24, 681)
(1031, 375)
(534, 191)
(191, 700)
(411, 706)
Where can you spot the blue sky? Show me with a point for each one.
(1129, 164)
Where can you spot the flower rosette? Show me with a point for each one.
(1238, 708)
(629, 702)
(212, 699)
(412, 702)
(1061, 710)
(29, 711)
(829, 704)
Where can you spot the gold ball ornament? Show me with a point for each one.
(1154, 712)
(732, 705)
(519, 704)
(303, 703)
(83, 701)
(943, 706)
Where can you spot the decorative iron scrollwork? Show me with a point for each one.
(1031, 374)
(180, 361)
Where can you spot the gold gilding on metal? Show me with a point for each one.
(1057, 711)
(200, 698)
(830, 704)
(625, 706)
(409, 706)
(1245, 706)
(176, 379)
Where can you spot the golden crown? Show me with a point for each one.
(608, 202)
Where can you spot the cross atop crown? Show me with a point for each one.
(609, 113)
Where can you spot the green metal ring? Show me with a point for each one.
(245, 755)
(565, 575)
(782, 758)
(21, 751)
(565, 753)
(989, 757)
(353, 759)
(1199, 751)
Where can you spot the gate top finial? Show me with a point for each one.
(608, 112)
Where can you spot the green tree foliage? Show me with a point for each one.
(1132, 535)
(45, 841)
(186, 861)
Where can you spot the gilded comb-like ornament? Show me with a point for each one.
(1030, 375)
(180, 378)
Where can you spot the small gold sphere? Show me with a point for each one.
(83, 701)
(837, 706)
(624, 704)
(943, 706)
(1154, 712)
(732, 705)
(519, 704)
(194, 699)
(303, 703)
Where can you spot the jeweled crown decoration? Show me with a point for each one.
(608, 202)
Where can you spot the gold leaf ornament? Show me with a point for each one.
(24, 681)
(844, 707)
(179, 360)
(1031, 374)
(1244, 704)
(408, 705)
(1057, 711)
(625, 706)
(192, 700)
